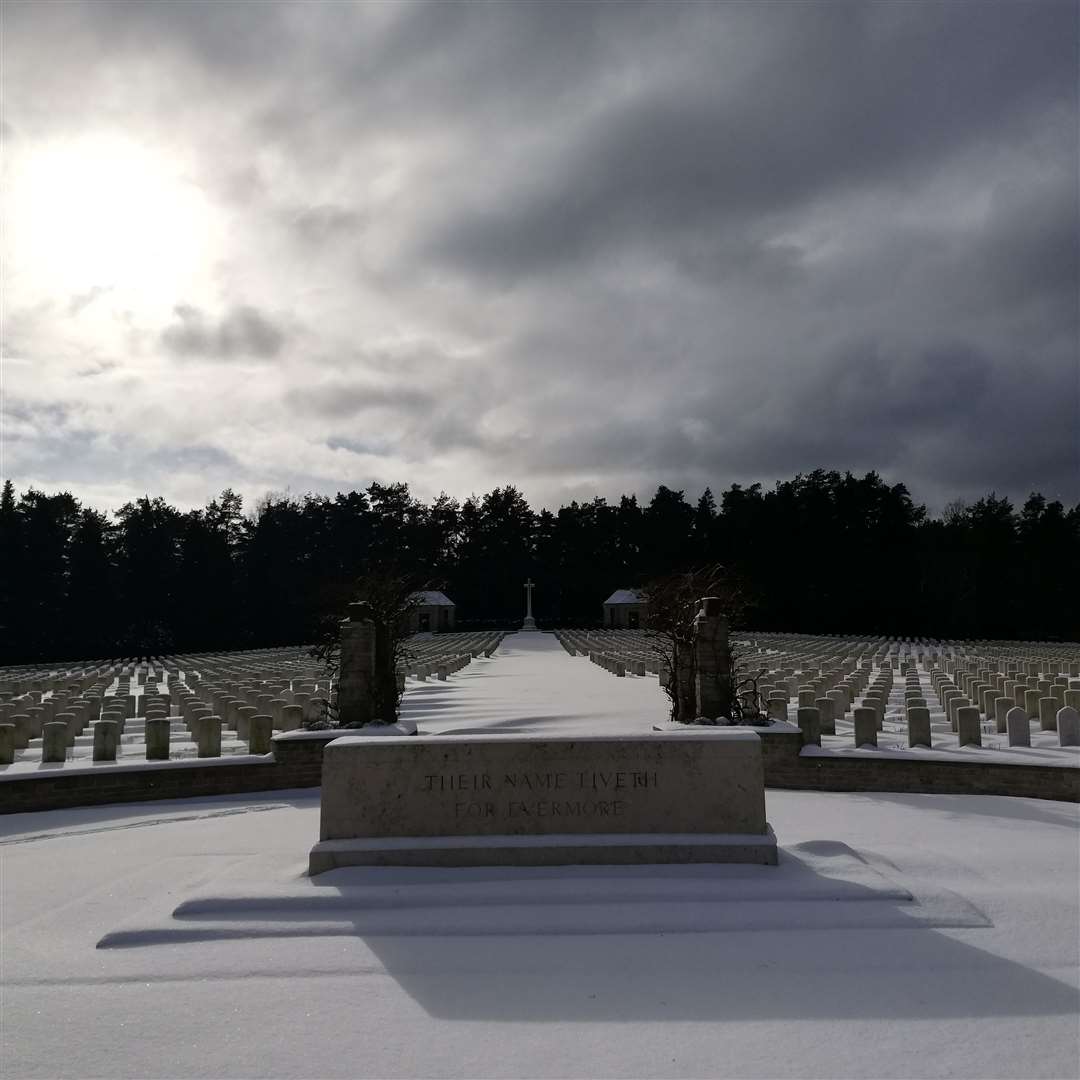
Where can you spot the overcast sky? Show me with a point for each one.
(579, 248)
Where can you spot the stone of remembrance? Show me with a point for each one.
(514, 799)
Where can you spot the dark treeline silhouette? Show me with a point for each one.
(822, 553)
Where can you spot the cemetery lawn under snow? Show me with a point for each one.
(900, 936)
(533, 686)
(182, 939)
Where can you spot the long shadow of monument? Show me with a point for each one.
(856, 974)
(747, 956)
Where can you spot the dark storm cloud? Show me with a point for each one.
(616, 245)
(242, 332)
(835, 103)
(960, 418)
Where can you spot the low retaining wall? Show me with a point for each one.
(296, 762)
(785, 767)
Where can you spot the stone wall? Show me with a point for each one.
(297, 763)
(785, 768)
(624, 616)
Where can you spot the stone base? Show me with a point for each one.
(565, 849)
(529, 624)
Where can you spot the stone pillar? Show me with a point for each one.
(1068, 726)
(157, 740)
(777, 707)
(1018, 727)
(106, 738)
(712, 661)
(292, 717)
(261, 730)
(866, 728)
(918, 726)
(355, 690)
(54, 741)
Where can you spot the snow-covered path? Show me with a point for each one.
(995, 996)
(532, 684)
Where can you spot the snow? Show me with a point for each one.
(236, 965)
(432, 598)
(625, 596)
(901, 935)
(998, 754)
(533, 685)
(34, 766)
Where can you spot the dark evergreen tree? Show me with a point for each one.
(823, 552)
(94, 620)
(149, 534)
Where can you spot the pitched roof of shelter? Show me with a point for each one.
(625, 596)
(432, 598)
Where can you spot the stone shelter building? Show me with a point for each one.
(624, 609)
(432, 613)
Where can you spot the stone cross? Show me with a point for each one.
(530, 622)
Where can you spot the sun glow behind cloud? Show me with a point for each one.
(101, 212)
(560, 246)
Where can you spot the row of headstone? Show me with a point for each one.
(838, 677)
(206, 696)
(441, 655)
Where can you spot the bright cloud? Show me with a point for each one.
(579, 248)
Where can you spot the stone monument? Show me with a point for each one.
(455, 800)
(530, 622)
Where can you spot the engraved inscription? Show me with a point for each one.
(579, 794)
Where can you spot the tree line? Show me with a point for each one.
(824, 552)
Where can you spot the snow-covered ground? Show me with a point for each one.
(220, 959)
(533, 685)
(901, 935)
